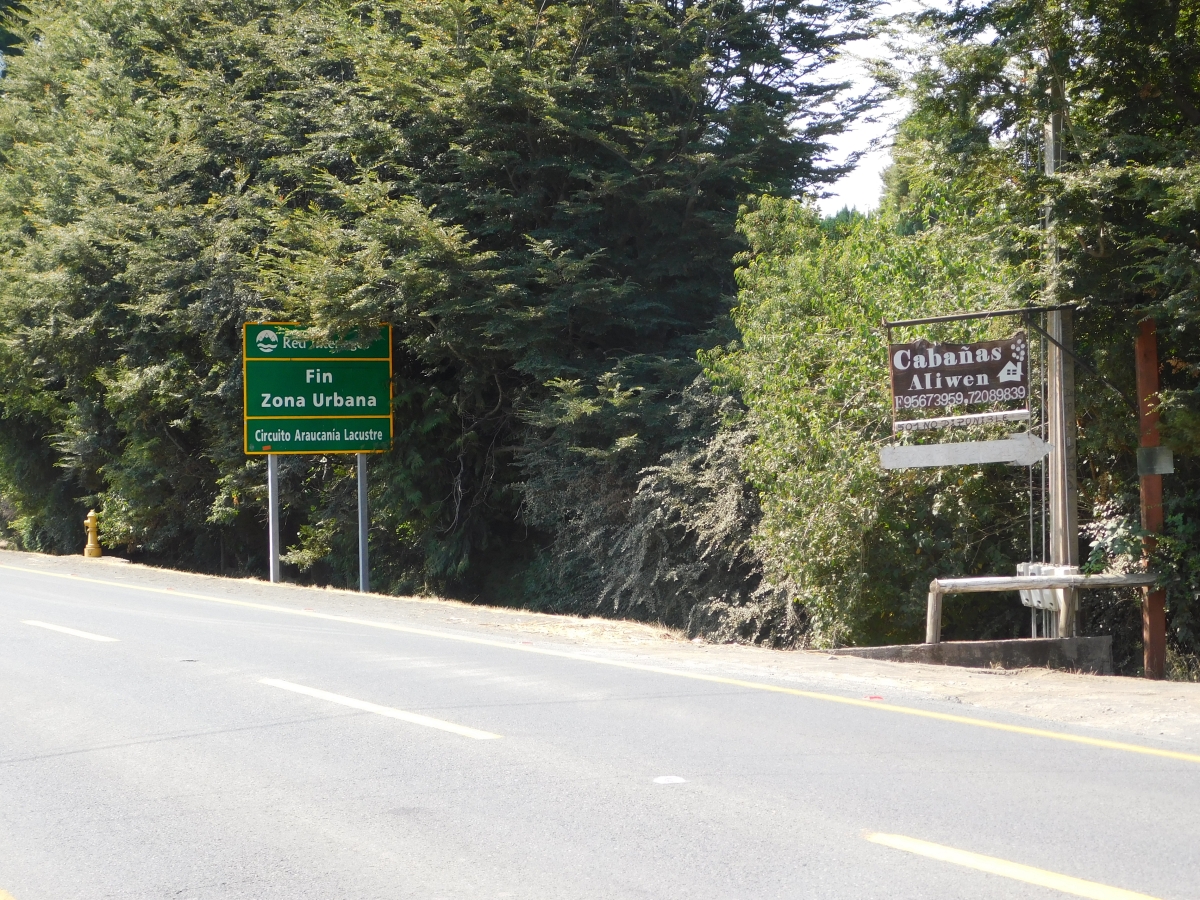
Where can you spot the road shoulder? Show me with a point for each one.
(1166, 712)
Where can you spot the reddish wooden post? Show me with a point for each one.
(1154, 613)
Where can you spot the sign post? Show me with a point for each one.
(952, 378)
(1064, 485)
(364, 568)
(306, 396)
(273, 515)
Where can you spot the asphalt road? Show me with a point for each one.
(236, 740)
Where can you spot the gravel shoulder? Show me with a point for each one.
(1166, 712)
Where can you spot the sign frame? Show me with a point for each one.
(270, 450)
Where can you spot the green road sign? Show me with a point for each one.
(303, 396)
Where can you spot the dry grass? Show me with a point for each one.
(1182, 666)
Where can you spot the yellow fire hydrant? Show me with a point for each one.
(92, 526)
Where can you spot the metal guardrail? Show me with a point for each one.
(994, 583)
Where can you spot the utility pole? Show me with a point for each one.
(1154, 612)
(1064, 486)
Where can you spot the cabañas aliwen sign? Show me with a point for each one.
(929, 376)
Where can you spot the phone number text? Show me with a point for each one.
(959, 398)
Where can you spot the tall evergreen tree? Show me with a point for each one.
(1123, 76)
(540, 197)
(963, 224)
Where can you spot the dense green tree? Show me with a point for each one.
(967, 194)
(540, 197)
(856, 547)
(1123, 76)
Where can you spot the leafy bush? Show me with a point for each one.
(858, 546)
(963, 226)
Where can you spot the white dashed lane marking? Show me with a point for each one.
(411, 718)
(1016, 871)
(72, 631)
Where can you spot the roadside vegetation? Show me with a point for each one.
(637, 373)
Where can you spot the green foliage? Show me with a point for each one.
(1124, 78)
(962, 226)
(540, 197)
(10, 11)
(677, 548)
(855, 545)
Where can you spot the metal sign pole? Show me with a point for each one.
(364, 570)
(273, 514)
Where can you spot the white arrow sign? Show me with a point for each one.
(1022, 449)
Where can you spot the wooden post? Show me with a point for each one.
(1064, 486)
(1154, 612)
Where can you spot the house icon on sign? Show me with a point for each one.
(1010, 372)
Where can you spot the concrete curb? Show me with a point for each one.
(1081, 654)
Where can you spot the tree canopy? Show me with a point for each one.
(963, 226)
(540, 197)
(636, 372)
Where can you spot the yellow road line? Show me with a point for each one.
(5, 895)
(642, 667)
(1002, 867)
(64, 630)
(412, 718)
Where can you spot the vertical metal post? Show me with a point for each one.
(364, 569)
(1064, 487)
(1154, 613)
(273, 514)
(933, 615)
